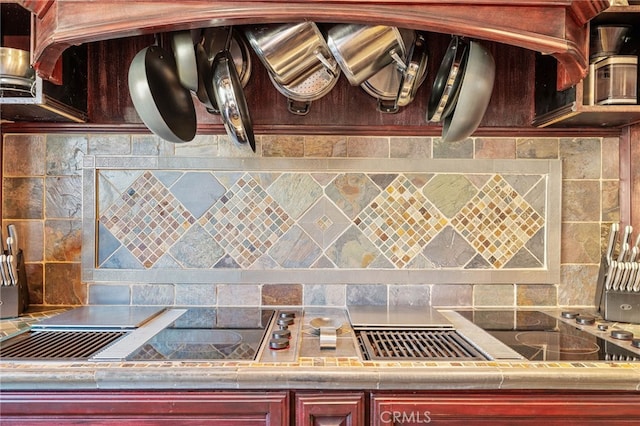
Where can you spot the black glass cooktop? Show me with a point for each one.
(209, 334)
(539, 336)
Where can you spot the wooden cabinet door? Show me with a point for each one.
(330, 409)
(505, 408)
(145, 408)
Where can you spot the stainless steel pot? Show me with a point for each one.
(164, 105)
(15, 63)
(394, 88)
(607, 40)
(363, 50)
(300, 95)
(291, 52)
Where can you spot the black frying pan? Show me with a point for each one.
(163, 104)
(446, 85)
(205, 92)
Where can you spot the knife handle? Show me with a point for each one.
(617, 277)
(633, 271)
(613, 236)
(13, 270)
(610, 273)
(624, 248)
(3, 270)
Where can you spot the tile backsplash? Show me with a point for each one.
(310, 220)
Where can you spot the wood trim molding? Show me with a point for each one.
(557, 28)
(275, 129)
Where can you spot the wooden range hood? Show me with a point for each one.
(554, 27)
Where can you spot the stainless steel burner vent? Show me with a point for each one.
(57, 345)
(382, 345)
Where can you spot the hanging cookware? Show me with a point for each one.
(474, 96)
(163, 104)
(185, 56)
(213, 41)
(415, 72)
(291, 52)
(300, 95)
(446, 85)
(389, 85)
(363, 50)
(205, 92)
(231, 100)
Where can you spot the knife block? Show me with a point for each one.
(14, 299)
(616, 305)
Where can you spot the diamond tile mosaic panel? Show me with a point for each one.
(498, 222)
(148, 219)
(345, 221)
(246, 221)
(400, 221)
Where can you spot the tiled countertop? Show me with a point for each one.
(311, 373)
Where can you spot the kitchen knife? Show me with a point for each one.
(615, 284)
(632, 275)
(611, 271)
(3, 270)
(637, 243)
(613, 236)
(12, 260)
(13, 233)
(624, 280)
(624, 248)
(9, 245)
(624, 240)
(13, 271)
(636, 281)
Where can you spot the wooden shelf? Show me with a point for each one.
(566, 108)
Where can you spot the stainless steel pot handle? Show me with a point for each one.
(331, 69)
(386, 106)
(298, 108)
(399, 62)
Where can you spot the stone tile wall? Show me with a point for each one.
(43, 195)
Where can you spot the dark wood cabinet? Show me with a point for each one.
(330, 409)
(504, 408)
(320, 408)
(145, 408)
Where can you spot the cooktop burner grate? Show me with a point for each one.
(57, 345)
(379, 345)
